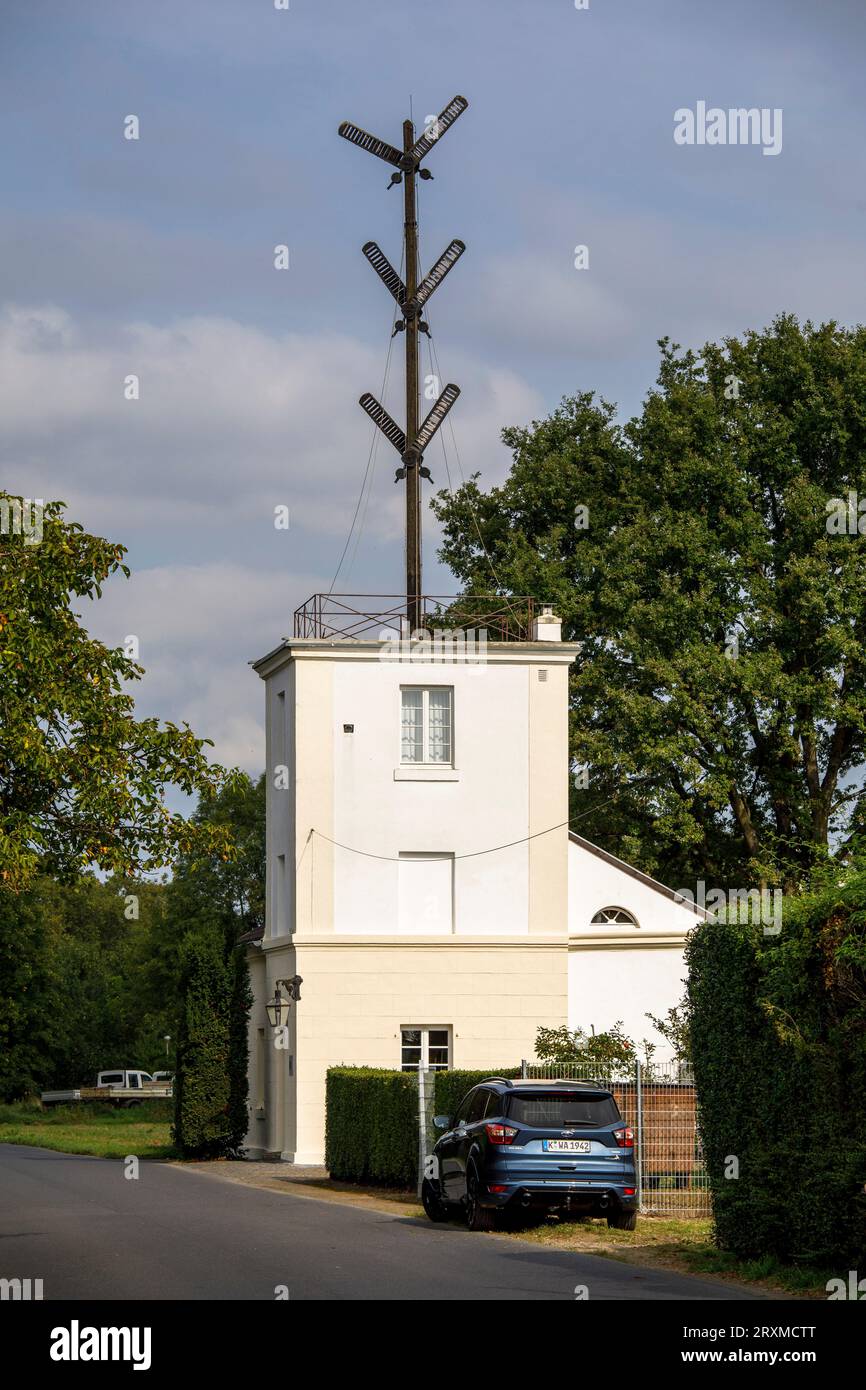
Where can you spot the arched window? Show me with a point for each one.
(614, 917)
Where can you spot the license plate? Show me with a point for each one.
(565, 1146)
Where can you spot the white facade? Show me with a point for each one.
(421, 878)
(395, 809)
(622, 971)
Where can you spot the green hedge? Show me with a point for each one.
(452, 1086)
(371, 1120)
(779, 1055)
(210, 1084)
(371, 1126)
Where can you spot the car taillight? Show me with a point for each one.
(624, 1137)
(500, 1134)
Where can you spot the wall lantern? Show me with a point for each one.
(274, 1009)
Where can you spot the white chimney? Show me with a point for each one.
(546, 627)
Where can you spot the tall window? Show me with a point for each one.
(427, 724)
(427, 1048)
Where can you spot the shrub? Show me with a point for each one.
(778, 1028)
(371, 1120)
(210, 1085)
(371, 1126)
(240, 999)
(609, 1054)
(202, 1083)
(452, 1086)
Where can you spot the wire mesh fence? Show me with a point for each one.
(660, 1104)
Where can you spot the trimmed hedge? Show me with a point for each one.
(210, 1084)
(371, 1120)
(779, 1056)
(371, 1126)
(202, 1080)
(240, 1002)
(452, 1086)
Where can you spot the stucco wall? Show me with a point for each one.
(357, 996)
(622, 972)
(482, 801)
(609, 984)
(333, 717)
(520, 951)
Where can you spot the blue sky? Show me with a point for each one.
(155, 257)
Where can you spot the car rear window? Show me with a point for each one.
(557, 1109)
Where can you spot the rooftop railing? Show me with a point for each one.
(365, 617)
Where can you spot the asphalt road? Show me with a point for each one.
(90, 1233)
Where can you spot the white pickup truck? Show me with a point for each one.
(119, 1087)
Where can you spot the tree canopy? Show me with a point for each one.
(93, 974)
(719, 699)
(82, 781)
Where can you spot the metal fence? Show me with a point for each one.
(659, 1103)
(364, 617)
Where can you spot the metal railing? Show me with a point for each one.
(365, 617)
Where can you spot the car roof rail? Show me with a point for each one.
(502, 1079)
(581, 1081)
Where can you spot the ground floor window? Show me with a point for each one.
(427, 1048)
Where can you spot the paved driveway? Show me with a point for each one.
(89, 1233)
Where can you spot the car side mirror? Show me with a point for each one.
(441, 1122)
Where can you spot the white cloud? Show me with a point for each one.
(197, 629)
(650, 276)
(231, 421)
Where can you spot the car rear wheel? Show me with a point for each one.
(622, 1220)
(478, 1218)
(432, 1203)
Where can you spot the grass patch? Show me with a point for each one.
(683, 1245)
(796, 1279)
(102, 1130)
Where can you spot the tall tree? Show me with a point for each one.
(210, 903)
(73, 983)
(202, 1087)
(91, 973)
(697, 553)
(207, 886)
(81, 780)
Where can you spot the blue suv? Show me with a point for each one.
(517, 1145)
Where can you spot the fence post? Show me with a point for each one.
(422, 1126)
(524, 1069)
(639, 1135)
